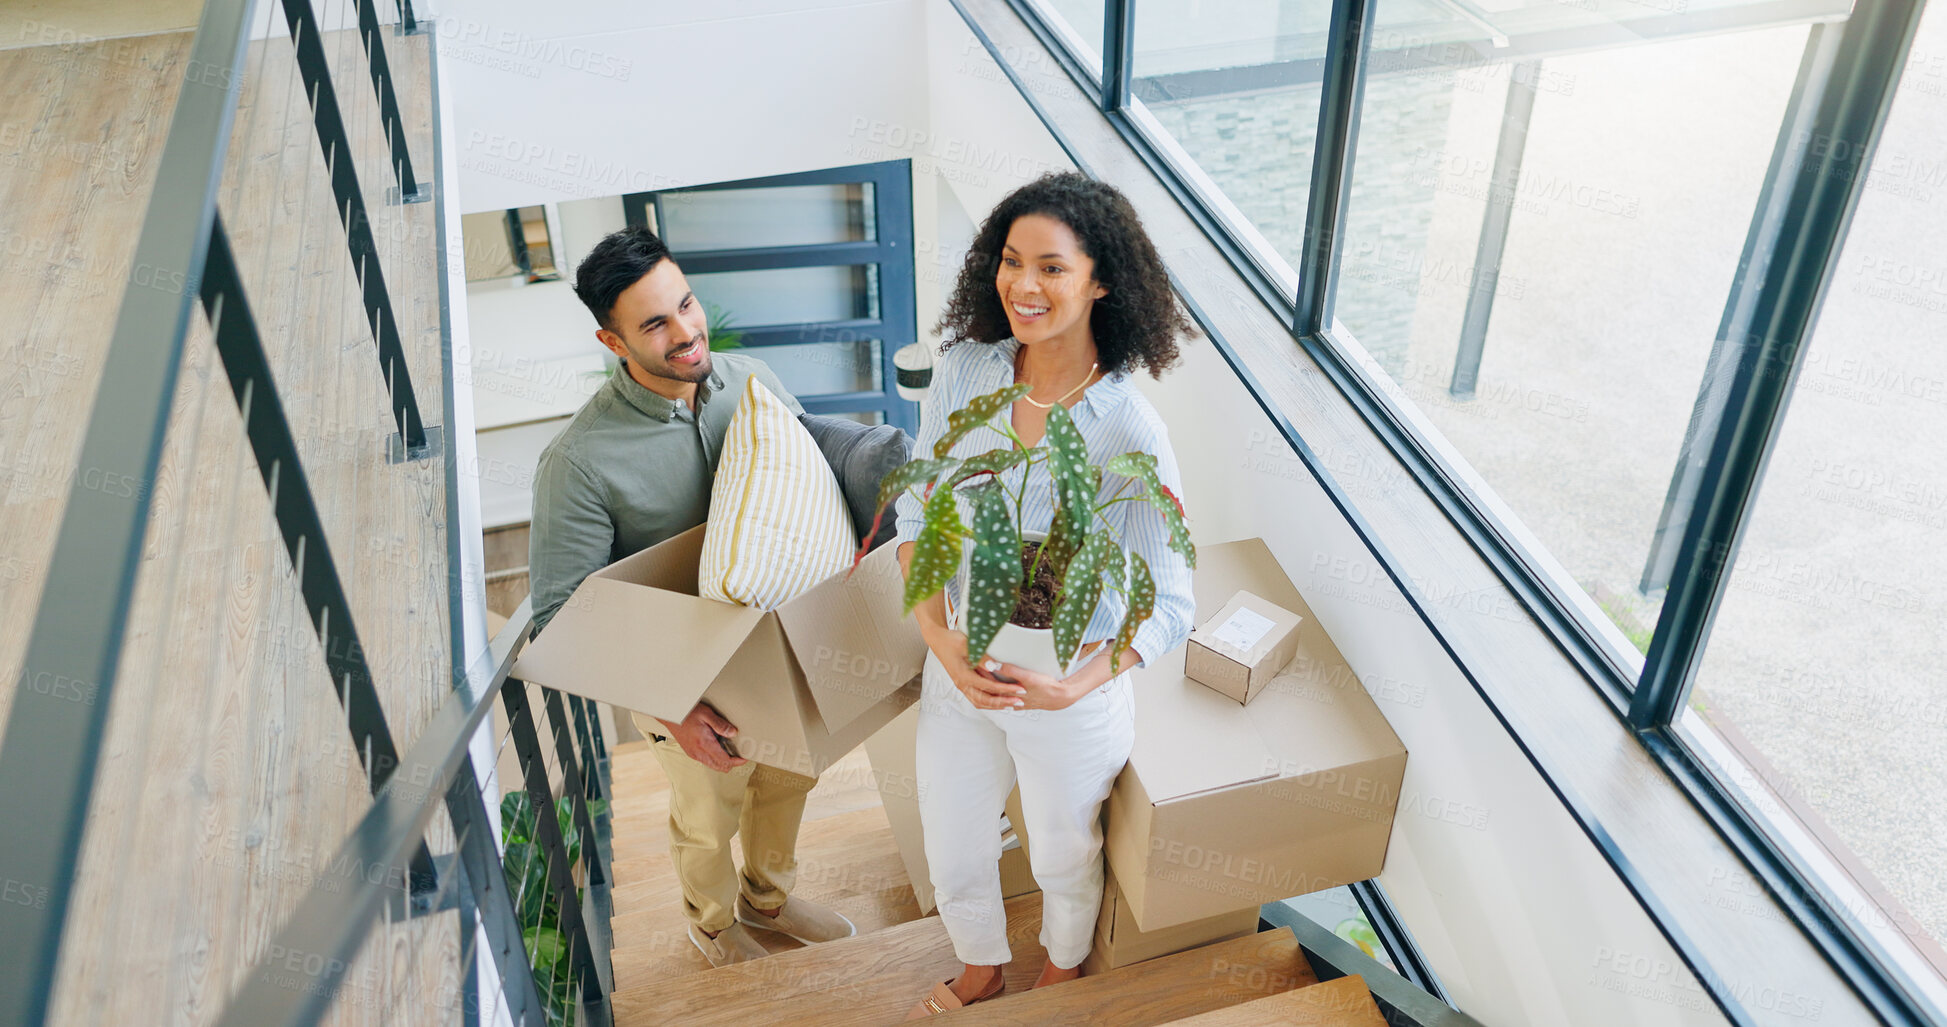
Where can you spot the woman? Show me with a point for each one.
(1062, 290)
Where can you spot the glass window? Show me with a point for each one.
(1826, 668)
(1229, 92)
(824, 368)
(791, 295)
(1539, 248)
(1079, 22)
(1338, 910)
(792, 215)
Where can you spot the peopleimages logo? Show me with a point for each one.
(519, 46)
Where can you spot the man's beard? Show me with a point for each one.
(698, 373)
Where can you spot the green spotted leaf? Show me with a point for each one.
(978, 411)
(1081, 592)
(994, 568)
(936, 552)
(1142, 603)
(994, 461)
(1068, 462)
(1075, 488)
(898, 480)
(1142, 467)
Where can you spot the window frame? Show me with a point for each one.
(1844, 91)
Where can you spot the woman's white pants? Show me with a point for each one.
(1065, 760)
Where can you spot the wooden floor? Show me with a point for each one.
(227, 780)
(50, 22)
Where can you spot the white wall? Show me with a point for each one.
(603, 97)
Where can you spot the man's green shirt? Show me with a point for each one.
(630, 470)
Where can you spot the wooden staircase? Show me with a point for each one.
(848, 861)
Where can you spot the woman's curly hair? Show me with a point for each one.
(1138, 322)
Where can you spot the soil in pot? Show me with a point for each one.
(1037, 603)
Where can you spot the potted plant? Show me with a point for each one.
(1030, 596)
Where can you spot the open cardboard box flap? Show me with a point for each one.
(852, 639)
(611, 640)
(636, 635)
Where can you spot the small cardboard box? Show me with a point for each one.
(892, 752)
(1224, 807)
(805, 683)
(1119, 941)
(1242, 647)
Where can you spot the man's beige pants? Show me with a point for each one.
(709, 807)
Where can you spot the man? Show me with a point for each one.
(633, 468)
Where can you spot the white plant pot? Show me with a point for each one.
(1032, 648)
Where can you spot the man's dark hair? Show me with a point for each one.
(617, 262)
(1138, 322)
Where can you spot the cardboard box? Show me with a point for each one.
(805, 683)
(1242, 647)
(1120, 941)
(1224, 807)
(891, 751)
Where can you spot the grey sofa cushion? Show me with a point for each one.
(861, 455)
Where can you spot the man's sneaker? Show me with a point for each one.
(801, 919)
(733, 944)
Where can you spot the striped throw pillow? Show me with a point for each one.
(778, 522)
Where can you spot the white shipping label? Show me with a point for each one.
(1244, 629)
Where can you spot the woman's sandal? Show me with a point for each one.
(943, 999)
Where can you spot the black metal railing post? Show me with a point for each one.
(522, 726)
(574, 785)
(395, 128)
(335, 147)
(487, 882)
(296, 510)
(593, 753)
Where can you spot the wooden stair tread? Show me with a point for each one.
(1161, 990)
(1344, 1002)
(869, 979)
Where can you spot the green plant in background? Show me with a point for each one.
(723, 328)
(539, 914)
(1083, 555)
(1357, 931)
(1621, 612)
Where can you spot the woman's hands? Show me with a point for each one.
(1025, 689)
(980, 688)
(950, 647)
(1049, 693)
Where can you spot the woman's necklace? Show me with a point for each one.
(1085, 380)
